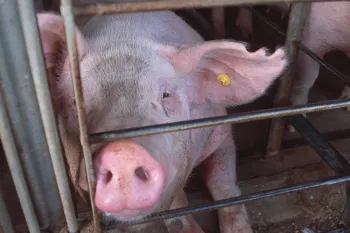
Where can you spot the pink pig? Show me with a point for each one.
(327, 29)
(142, 69)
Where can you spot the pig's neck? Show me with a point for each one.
(160, 27)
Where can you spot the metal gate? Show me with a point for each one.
(28, 126)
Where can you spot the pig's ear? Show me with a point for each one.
(52, 34)
(225, 72)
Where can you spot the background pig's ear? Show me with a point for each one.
(225, 72)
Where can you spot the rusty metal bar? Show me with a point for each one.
(297, 19)
(67, 13)
(36, 61)
(230, 201)
(110, 8)
(14, 164)
(219, 120)
(5, 219)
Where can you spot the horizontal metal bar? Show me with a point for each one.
(326, 151)
(14, 164)
(337, 231)
(36, 61)
(303, 48)
(109, 8)
(219, 120)
(231, 201)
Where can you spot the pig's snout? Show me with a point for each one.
(128, 178)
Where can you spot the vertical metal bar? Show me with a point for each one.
(297, 19)
(20, 99)
(16, 169)
(5, 219)
(31, 35)
(67, 13)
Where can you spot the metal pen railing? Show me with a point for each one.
(69, 12)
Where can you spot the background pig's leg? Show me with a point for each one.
(219, 172)
(244, 22)
(218, 19)
(184, 224)
(308, 70)
(345, 94)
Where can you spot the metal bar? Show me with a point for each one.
(20, 99)
(337, 231)
(303, 48)
(326, 151)
(36, 61)
(67, 13)
(17, 174)
(219, 120)
(126, 7)
(5, 219)
(231, 201)
(297, 19)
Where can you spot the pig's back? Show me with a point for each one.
(163, 27)
(329, 23)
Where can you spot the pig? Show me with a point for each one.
(327, 28)
(149, 68)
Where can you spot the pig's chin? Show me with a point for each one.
(127, 216)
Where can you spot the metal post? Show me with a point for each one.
(67, 13)
(31, 35)
(299, 14)
(16, 169)
(24, 118)
(5, 219)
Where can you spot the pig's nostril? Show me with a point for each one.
(108, 176)
(141, 173)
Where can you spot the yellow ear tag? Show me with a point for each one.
(224, 79)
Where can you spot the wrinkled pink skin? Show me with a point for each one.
(152, 68)
(327, 29)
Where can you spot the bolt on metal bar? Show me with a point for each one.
(297, 19)
(5, 219)
(303, 48)
(326, 151)
(231, 201)
(36, 61)
(67, 13)
(127, 7)
(14, 164)
(219, 120)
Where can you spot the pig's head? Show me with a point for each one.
(135, 82)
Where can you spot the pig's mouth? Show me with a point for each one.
(125, 217)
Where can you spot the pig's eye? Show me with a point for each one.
(166, 95)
